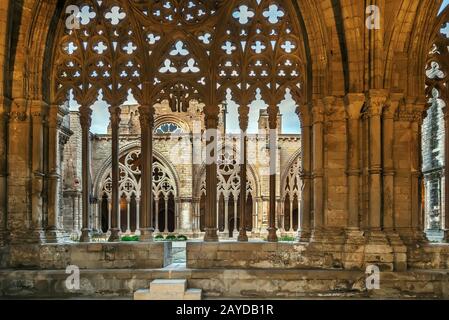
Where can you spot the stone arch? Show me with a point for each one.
(103, 171)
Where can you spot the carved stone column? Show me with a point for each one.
(115, 112)
(55, 117)
(304, 230)
(85, 121)
(388, 162)
(318, 167)
(416, 168)
(37, 109)
(354, 104)
(446, 174)
(376, 103)
(4, 104)
(146, 211)
(243, 120)
(211, 175)
(273, 123)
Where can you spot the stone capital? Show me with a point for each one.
(392, 105)
(354, 103)
(85, 116)
(376, 102)
(146, 116)
(303, 112)
(115, 112)
(318, 111)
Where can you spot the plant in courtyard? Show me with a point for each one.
(159, 237)
(170, 237)
(130, 238)
(181, 237)
(287, 239)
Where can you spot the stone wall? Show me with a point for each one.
(251, 284)
(87, 255)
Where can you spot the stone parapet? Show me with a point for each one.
(87, 255)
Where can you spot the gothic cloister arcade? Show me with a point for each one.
(359, 183)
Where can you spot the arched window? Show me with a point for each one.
(433, 135)
(168, 128)
(291, 197)
(164, 191)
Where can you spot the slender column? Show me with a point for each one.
(226, 224)
(298, 228)
(85, 121)
(98, 215)
(78, 212)
(234, 228)
(318, 165)
(376, 105)
(156, 213)
(243, 120)
(354, 104)
(218, 214)
(146, 213)
(211, 173)
(166, 215)
(37, 109)
(273, 122)
(115, 202)
(137, 216)
(304, 229)
(291, 215)
(256, 219)
(4, 103)
(109, 213)
(128, 215)
(446, 174)
(389, 171)
(416, 170)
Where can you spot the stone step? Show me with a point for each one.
(163, 289)
(193, 294)
(168, 286)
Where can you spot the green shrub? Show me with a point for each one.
(159, 237)
(287, 239)
(181, 237)
(130, 238)
(170, 237)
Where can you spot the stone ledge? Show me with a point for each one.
(87, 255)
(222, 283)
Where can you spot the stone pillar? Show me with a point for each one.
(388, 162)
(137, 216)
(109, 213)
(156, 213)
(318, 167)
(243, 122)
(304, 230)
(211, 174)
(166, 215)
(85, 121)
(115, 112)
(416, 171)
(446, 174)
(37, 159)
(146, 210)
(354, 104)
(234, 228)
(128, 215)
(376, 104)
(226, 224)
(273, 122)
(291, 216)
(4, 104)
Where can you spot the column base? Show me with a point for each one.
(54, 235)
(399, 250)
(115, 235)
(303, 235)
(272, 236)
(378, 250)
(85, 235)
(446, 236)
(211, 235)
(146, 235)
(4, 238)
(243, 237)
